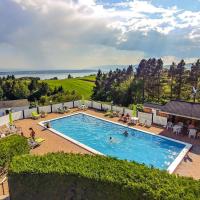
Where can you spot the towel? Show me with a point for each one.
(39, 140)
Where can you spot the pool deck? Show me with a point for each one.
(190, 165)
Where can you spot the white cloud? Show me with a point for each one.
(85, 33)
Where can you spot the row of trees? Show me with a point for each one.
(150, 81)
(33, 90)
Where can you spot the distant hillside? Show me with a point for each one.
(82, 85)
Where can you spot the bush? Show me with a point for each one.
(11, 146)
(72, 176)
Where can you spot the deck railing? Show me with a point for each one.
(73, 104)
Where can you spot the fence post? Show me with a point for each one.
(23, 114)
(38, 109)
(123, 110)
(51, 108)
(91, 104)
(101, 107)
(73, 104)
(152, 117)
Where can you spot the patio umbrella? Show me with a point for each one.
(10, 118)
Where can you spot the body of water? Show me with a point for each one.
(60, 74)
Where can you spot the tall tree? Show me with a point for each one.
(171, 75)
(180, 77)
(194, 77)
(141, 73)
(159, 68)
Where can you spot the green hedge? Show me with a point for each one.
(11, 146)
(69, 176)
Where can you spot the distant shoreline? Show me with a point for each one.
(46, 71)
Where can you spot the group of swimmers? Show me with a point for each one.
(125, 133)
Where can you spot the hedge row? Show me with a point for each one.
(71, 176)
(11, 146)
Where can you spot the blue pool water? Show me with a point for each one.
(138, 146)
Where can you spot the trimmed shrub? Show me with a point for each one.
(11, 146)
(60, 176)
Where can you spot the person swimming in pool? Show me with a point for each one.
(125, 133)
(112, 140)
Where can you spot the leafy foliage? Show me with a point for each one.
(11, 146)
(150, 82)
(73, 176)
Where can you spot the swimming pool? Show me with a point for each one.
(107, 138)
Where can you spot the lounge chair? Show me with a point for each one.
(148, 123)
(33, 144)
(142, 122)
(82, 107)
(108, 113)
(5, 130)
(35, 115)
(66, 109)
(61, 110)
(39, 140)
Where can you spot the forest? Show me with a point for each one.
(149, 82)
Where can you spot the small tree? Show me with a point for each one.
(1, 93)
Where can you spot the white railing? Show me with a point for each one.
(159, 120)
(18, 115)
(28, 112)
(4, 120)
(56, 106)
(46, 109)
(145, 116)
(91, 104)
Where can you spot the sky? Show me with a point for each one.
(78, 34)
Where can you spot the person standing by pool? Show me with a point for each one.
(32, 134)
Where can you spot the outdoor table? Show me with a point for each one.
(176, 127)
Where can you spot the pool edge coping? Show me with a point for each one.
(171, 168)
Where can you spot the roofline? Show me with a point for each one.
(181, 115)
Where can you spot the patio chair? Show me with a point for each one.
(35, 115)
(192, 133)
(142, 121)
(180, 124)
(66, 109)
(169, 126)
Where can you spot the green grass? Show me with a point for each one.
(82, 85)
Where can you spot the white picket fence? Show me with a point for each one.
(159, 120)
(90, 104)
(142, 116)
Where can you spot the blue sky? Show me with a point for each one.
(85, 33)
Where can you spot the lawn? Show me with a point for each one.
(83, 85)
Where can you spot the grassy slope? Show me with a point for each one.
(83, 85)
